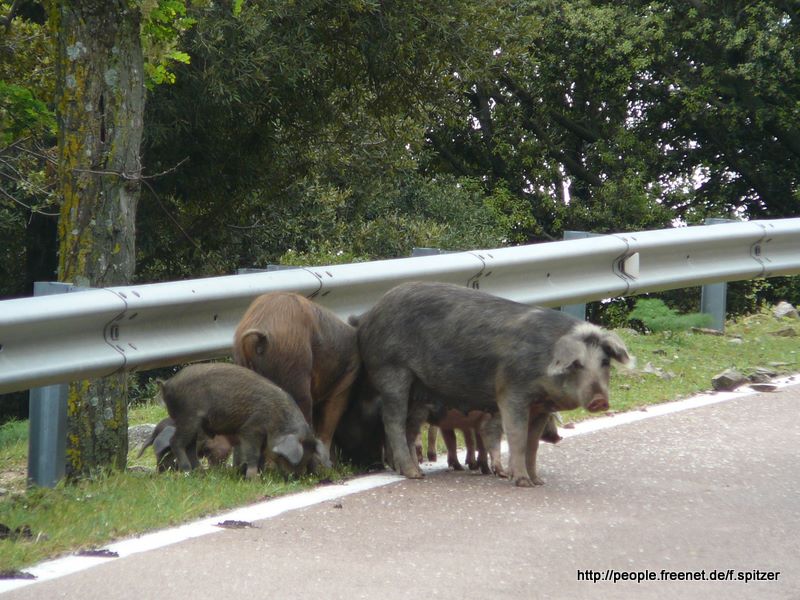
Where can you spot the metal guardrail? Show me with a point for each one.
(95, 333)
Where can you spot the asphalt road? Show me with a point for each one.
(703, 493)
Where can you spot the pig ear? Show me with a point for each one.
(163, 439)
(615, 347)
(257, 338)
(567, 350)
(290, 448)
(321, 452)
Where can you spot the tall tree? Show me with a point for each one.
(305, 104)
(99, 109)
(723, 102)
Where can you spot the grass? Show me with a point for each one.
(690, 360)
(121, 504)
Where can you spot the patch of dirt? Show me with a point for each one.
(13, 480)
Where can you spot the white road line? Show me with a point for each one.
(271, 508)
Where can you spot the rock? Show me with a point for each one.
(728, 380)
(785, 332)
(657, 371)
(784, 310)
(139, 434)
(764, 387)
(762, 375)
(706, 331)
(735, 341)
(627, 331)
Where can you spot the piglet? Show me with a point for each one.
(220, 399)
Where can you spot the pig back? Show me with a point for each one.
(226, 396)
(454, 339)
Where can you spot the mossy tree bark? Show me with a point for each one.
(99, 107)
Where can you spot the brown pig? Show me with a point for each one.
(478, 430)
(303, 348)
(469, 424)
(220, 399)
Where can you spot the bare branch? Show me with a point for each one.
(30, 208)
(169, 215)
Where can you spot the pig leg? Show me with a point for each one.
(535, 429)
(250, 448)
(483, 460)
(332, 409)
(184, 448)
(432, 430)
(469, 440)
(514, 411)
(449, 437)
(491, 431)
(394, 385)
(417, 415)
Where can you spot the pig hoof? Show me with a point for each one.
(457, 466)
(473, 466)
(431, 456)
(413, 474)
(485, 470)
(523, 482)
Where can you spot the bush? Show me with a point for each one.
(657, 316)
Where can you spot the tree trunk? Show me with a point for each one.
(99, 106)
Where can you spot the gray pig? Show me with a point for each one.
(475, 351)
(233, 401)
(216, 450)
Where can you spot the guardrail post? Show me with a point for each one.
(47, 420)
(577, 310)
(714, 296)
(428, 252)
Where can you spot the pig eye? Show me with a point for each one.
(606, 362)
(575, 365)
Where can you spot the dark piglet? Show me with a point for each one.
(475, 351)
(219, 399)
(359, 434)
(216, 450)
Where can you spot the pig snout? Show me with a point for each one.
(598, 403)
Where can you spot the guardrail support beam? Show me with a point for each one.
(47, 408)
(714, 296)
(577, 310)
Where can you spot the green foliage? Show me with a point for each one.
(14, 440)
(657, 316)
(163, 22)
(295, 130)
(21, 113)
(27, 129)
